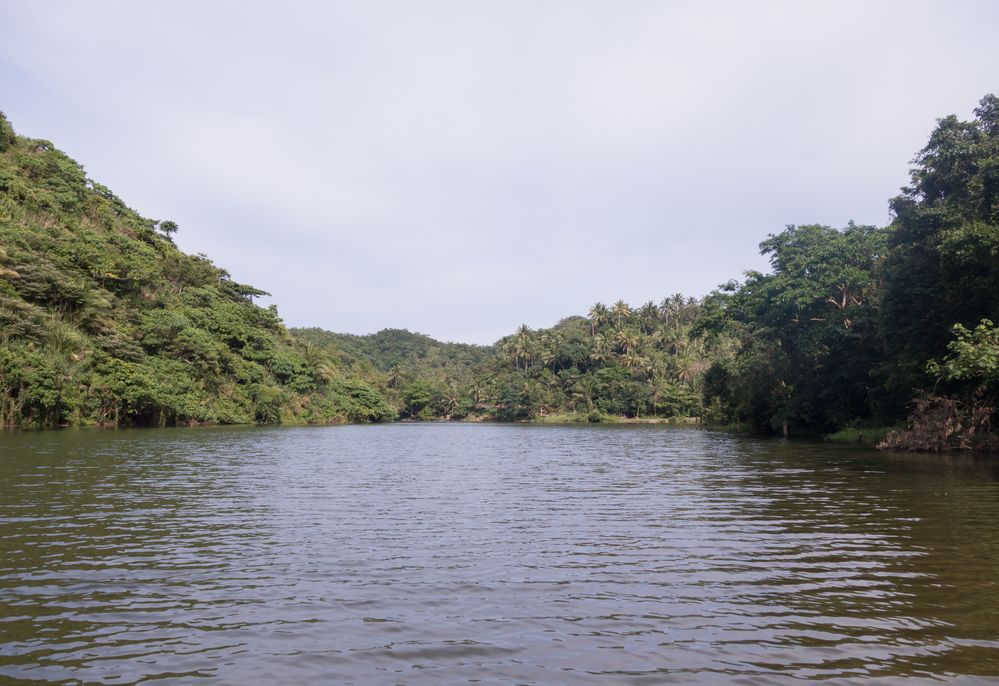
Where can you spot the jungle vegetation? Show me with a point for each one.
(619, 362)
(868, 324)
(103, 320)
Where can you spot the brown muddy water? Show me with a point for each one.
(451, 554)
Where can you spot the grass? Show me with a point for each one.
(600, 418)
(864, 435)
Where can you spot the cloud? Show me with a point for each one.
(462, 167)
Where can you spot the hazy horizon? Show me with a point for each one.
(458, 169)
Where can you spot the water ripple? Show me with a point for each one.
(439, 554)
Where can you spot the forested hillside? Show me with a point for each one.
(422, 378)
(622, 362)
(104, 321)
(410, 353)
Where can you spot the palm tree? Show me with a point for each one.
(686, 367)
(523, 344)
(548, 347)
(327, 371)
(621, 311)
(633, 360)
(690, 310)
(450, 396)
(647, 315)
(395, 377)
(663, 338)
(626, 339)
(671, 309)
(311, 352)
(509, 348)
(475, 391)
(63, 339)
(655, 366)
(600, 349)
(586, 385)
(659, 385)
(598, 316)
(548, 356)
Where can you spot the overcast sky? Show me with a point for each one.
(460, 168)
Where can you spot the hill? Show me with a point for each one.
(390, 348)
(621, 361)
(103, 320)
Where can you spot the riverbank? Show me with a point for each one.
(871, 436)
(599, 418)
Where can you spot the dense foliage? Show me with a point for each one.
(423, 378)
(866, 324)
(620, 361)
(104, 321)
(943, 264)
(808, 334)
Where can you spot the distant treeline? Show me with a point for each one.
(105, 321)
(620, 362)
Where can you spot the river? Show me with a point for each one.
(492, 554)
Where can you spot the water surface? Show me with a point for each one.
(448, 554)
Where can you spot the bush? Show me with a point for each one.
(939, 423)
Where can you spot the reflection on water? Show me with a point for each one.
(440, 554)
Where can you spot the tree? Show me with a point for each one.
(671, 309)
(168, 228)
(941, 268)
(626, 339)
(973, 357)
(809, 328)
(621, 312)
(7, 136)
(416, 396)
(647, 315)
(599, 315)
(600, 350)
(523, 344)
